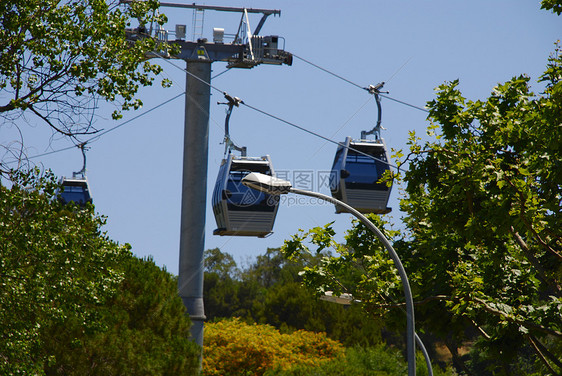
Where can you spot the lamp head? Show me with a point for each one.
(344, 299)
(266, 183)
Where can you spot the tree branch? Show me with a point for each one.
(539, 348)
(480, 329)
(533, 260)
(529, 225)
(524, 323)
(46, 120)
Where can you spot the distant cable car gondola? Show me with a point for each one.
(76, 189)
(357, 169)
(239, 210)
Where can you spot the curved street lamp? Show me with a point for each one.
(276, 186)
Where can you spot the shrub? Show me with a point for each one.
(379, 360)
(233, 347)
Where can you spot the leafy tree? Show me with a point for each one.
(361, 267)
(55, 268)
(147, 330)
(380, 360)
(233, 347)
(221, 287)
(483, 211)
(269, 292)
(221, 264)
(60, 58)
(73, 302)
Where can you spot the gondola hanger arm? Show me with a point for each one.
(83, 148)
(375, 90)
(229, 145)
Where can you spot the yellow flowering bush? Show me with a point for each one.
(233, 347)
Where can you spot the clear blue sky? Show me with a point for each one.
(414, 46)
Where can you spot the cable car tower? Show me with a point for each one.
(247, 50)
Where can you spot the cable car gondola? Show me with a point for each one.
(358, 167)
(76, 189)
(240, 210)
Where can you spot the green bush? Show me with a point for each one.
(233, 347)
(372, 361)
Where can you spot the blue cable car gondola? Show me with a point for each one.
(239, 210)
(358, 167)
(75, 189)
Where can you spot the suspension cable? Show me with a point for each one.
(97, 136)
(280, 119)
(357, 85)
(317, 135)
(247, 105)
(329, 72)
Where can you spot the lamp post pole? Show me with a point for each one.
(277, 186)
(347, 299)
(410, 329)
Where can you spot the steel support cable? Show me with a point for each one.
(191, 74)
(405, 103)
(357, 85)
(329, 72)
(316, 134)
(221, 73)
(278, 118)
(95, 137)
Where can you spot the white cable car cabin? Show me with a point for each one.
(75, 189)
(355, 176)
(239, 210)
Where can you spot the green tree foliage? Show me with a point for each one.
(147, 330)
(233, 347)
(554, 5)
(269, 292)
(377, 360)
(483, 247)
(221, 287)
(484, 206)
(54, 267)
(59, 58)
(73, 302)
(360, 267)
